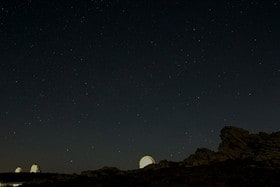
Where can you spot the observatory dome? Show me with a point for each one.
(145, 161)
(18, 170)
(35, 169)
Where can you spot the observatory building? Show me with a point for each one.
(145, 161)
(18, 170)
(35, 169)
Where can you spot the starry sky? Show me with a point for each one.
(87, 84)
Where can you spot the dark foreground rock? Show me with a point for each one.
(239, 144)
(230, 173)
(242, 159)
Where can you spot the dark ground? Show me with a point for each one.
(229, 173)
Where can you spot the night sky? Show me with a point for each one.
(87, 84)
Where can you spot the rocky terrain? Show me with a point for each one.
(242, 159)
(239, 144)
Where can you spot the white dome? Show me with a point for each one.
(18, 170)
(35, 169)
(145, 161)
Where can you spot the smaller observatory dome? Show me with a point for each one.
(35, 169)
(145, 161)
(18, 170)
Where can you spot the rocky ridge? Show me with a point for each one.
(239, 144)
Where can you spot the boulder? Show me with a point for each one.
(239, 144)
(204, 156)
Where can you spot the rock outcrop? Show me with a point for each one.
(204, 156)
(237, 144)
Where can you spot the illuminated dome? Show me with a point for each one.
(18, 170)
(145, 161)
(35, 169)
